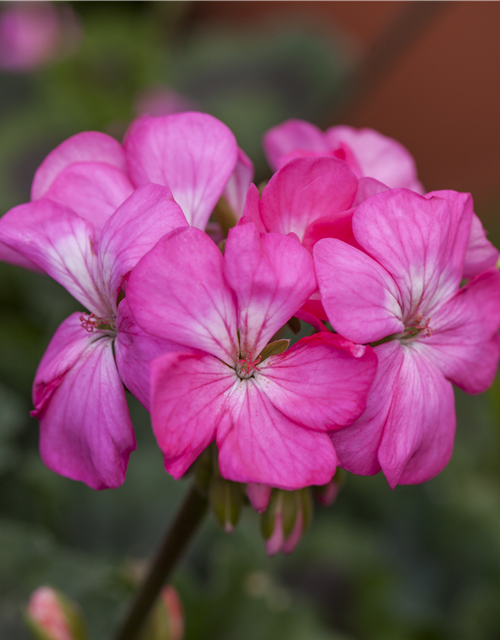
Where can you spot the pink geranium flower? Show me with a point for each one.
(85, 429)
(369, 153)
(402, 291)
(269, 416)
(193, 154)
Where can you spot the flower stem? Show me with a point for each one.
(176, 539)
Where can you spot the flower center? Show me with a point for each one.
(420, 326)
(91, 322)
(246, 366)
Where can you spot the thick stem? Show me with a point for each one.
(177, 537)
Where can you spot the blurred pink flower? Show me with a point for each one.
(402, 291)
(269, 415)
(32, 33)
(162, 101)
(85, 429)
(51, 616)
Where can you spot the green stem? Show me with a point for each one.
(176, 539)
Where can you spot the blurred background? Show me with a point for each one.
(418, 563)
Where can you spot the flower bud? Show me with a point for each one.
(166, 622)
(52, 616)
(286, 518)
(259, 495)
(226, 498)
(327, 493)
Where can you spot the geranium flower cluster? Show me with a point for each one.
(399, 287)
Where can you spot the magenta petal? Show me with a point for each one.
(418, 435)
(304, 190)
(133, 230)
(368, 187)
(92, 190)
(361, 299)
(257, 443)
(272, 276)
(135, 350)
(378, 156)
(85, 429)
(193, 154)
(13, 257)
(88, 146)
(357, 445)
(237, 187)
(464, 343)
(251, 210)
(279, 141)
(187, 401)
(62, 244)
(337, 225)
(178, 292)
(421, 242)
(322, 382)
(481, 254)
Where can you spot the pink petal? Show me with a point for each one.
(272, 276)
(93, 190)
(135, 350)
(88, 146)
(337, 225)
(378, 156)
(251, 210)
(62, 244)
(368, 187)
(361, 299)
(193, 154)
(321, 382)
(237, 187)
(85, 428)
(259, 495)
(304, 190)
(421, 242)
(464, 343)
(420, 428)
(357, 445)
(257, 443)
(311, 319)
(133, 230)
(289, 136)
(12, 257)
(481, 254)
(178, 292)
(187, 401)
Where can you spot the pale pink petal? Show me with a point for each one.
(272, 276)
(378, 156)
(304, 190)
(93, 190)
(237, 187)
(337, 225)
(368, 187)
(85, 429)
(464, 342)
(88, 146)
(62, 244)
(290, 136)
(133, 230)
(193, 154)
(257, 443)
(178, 292)
(188, 395)
(360, 297)
(12, 257)
(135, 350)
(357, 445)
(321, 382)
(417, 442)
(481, 254)
(251, 211)
(421, 242)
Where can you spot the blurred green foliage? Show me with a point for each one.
(419, 563)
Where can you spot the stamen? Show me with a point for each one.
(248, 364)
(421, 326)
(90, 322)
